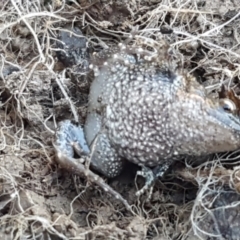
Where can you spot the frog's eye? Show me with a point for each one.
(228, 105)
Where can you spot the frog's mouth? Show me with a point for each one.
(226, 119)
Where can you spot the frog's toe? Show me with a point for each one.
(69, 138)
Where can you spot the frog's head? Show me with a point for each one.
(211, 125)
(226, 110)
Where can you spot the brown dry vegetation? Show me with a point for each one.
(39, 200)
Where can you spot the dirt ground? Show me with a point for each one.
(38, 86)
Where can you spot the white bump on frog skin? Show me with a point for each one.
(148, 58)
(96, 71)
(139, 50)
(122, 46)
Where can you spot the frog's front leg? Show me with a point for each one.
(151, 175)
(69, 138)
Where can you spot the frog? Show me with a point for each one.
(145, 110)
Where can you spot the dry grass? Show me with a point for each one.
(37, 201)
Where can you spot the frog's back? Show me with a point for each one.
(150, 112)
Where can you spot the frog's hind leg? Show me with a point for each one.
(104, 158)
(69, 138)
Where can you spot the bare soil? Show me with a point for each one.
(38, 199)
